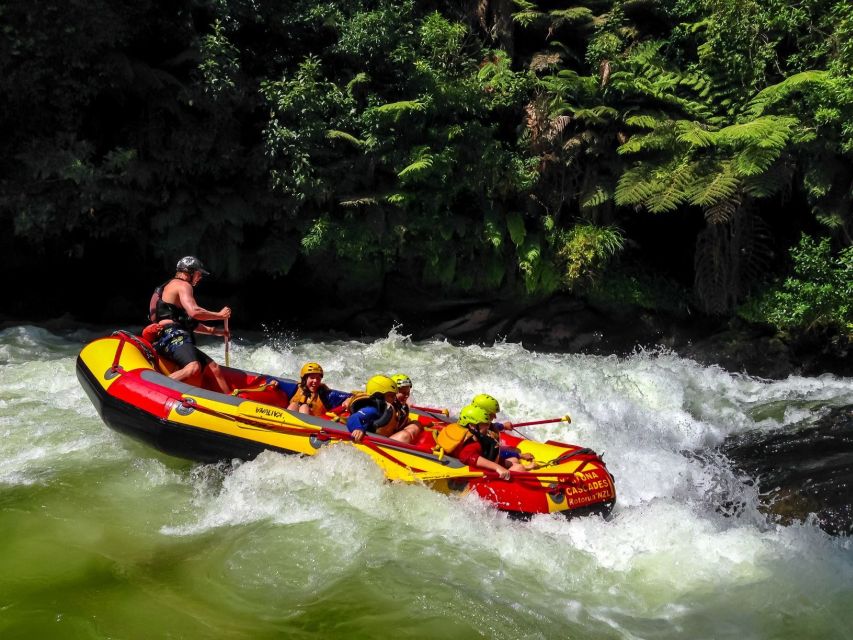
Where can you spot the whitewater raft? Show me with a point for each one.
(130, 388)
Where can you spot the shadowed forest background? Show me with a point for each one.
(683, 157)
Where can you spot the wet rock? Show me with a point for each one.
(743, 349)
(803, 472)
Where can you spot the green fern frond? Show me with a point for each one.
(530, 263)
(635, 185)
(403, 106)
(670, 187)
(768, 132)
(695, 134)
(420, 160)
(419, 165)
(657, 140)
(572, 15)
(597, 115)
(358, 79)
(714, 186)
(334, 134)
(528, 18)
(569, 83)
(778, 92)
(696, 27)
(595, 198)
(754, 161)
(644, 121)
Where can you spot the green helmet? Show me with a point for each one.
(402, 380)
(472, 414)
(487, 403)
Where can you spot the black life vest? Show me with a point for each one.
(491, 447)
(386, 424)
(158, 310)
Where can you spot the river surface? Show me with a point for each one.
(102, 537)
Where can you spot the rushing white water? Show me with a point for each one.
(324, 547)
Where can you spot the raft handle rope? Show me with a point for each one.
(267, 385)
(189, 403)
(563, 457)
(126, 336)
(116, 368)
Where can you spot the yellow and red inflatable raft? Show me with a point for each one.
(129, 387)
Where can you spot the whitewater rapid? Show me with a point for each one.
(325, 547)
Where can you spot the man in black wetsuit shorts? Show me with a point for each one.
(174, 309)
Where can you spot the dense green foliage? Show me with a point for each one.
(485, 148)
(818, 294)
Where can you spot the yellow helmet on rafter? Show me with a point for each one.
(402, 380)
(487, 403)
(310, 367)
(472, 414)
(380, 384)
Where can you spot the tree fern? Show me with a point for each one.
(635, 184)
(774, 94)
(723, 211)
(669, 186)
(712, 187)
(729, 257)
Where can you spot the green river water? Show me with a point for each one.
(102, 537)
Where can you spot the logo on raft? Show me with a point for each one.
(269, 412)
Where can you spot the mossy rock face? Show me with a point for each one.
(803, 472)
